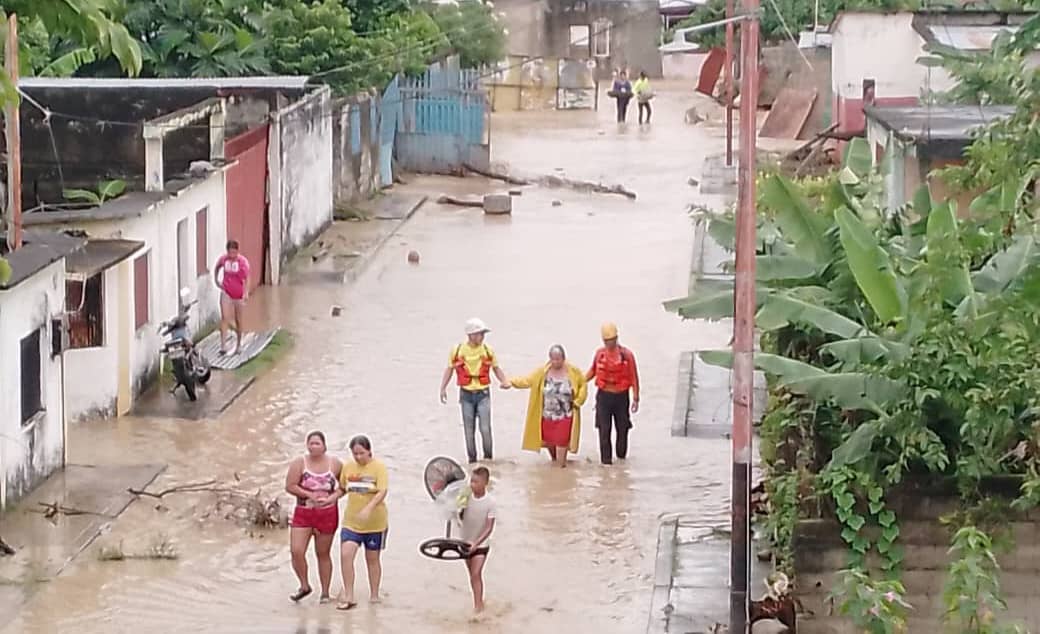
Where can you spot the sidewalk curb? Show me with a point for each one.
(366, 259)
(683, 392)
(660, 606)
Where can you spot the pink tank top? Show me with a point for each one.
(317, 482)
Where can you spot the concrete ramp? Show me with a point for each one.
(253, 343)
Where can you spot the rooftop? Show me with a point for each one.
(39, 250)
(926, 124)
(100, 254)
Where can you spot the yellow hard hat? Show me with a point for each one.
(608, 330)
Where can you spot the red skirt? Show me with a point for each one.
(324, 520)
(557, 433)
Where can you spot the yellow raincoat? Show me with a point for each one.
(533, 426)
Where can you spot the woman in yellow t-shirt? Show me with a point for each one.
(364, 519)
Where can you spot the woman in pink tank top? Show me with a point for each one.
(313, 479)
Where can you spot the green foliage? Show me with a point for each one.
(875, 607)
(971, 595)
(473, 31)
(5, 271)
(370, 15)
(106, 190)
(796, 14)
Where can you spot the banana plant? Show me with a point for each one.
(5, 271)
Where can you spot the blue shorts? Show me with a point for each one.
(371, 541)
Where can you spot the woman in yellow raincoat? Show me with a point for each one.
(558, 390)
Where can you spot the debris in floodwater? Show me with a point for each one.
(5, 549)
(693, 182)
(557, 203)
(460, 202)
(337, 311)
(413, 257)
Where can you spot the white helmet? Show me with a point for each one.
(476, 326)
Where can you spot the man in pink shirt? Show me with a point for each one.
(231, 275)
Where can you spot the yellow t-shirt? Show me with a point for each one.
(473, 356)
(361, 483)
(641, 86)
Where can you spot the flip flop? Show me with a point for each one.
(349, 605)
(300, 594)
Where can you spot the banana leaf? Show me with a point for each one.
(857, 446)
(782, 267)
(870, 267)
(944, 251)
(802, 226)
(852, 353)
(5, 271)
(1007, 267)
(780, 310)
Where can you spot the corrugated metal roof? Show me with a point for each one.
(936, 123)
(287, 82)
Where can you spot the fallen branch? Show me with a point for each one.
(586, 186)
(460, 202)
(819, 136)
(506, 178)
(52, 509)
(192, 487)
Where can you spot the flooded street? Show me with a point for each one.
(574, 549)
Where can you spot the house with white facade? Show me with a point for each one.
(144, 247)
(874, 55)
(32, 416)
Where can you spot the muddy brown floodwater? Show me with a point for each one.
(574, 549)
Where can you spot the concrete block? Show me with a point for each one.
(923, 533)
(928, 582)
(769, 626)
(498, 204)
(924, 557)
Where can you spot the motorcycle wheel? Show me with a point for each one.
(184, 376)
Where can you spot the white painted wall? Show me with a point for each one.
(31, 453)
(300, 174)
(92, 374)
(157, 227)
(883, 47)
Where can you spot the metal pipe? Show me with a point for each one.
(727, 70)
(744, 327)
(12, 129)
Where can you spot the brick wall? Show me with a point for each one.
(820, 553)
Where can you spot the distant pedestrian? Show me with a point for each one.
(231, 275)
(558, 390)
(644, 93)
(621, 91)
(614, 368)
(472, 363)
(313, 479)
(478, 520)
(364, 520)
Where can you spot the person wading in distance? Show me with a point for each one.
(614, 368)
(472, 363)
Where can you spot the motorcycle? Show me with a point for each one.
(190, 369)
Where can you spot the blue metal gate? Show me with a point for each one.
(444, 121)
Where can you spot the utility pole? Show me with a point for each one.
(12, 131)
(728, 78)
(744, 325)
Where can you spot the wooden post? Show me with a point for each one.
(744, 326)
(13, 132)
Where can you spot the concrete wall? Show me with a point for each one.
(685, 66)
(88, 152)
(29, 453)
(819, 553)
(300, 169)
(156, 226)
(92, 374)
(635, 34)
(525, 21)
(355, 142)
(856, 55)
(786, 67)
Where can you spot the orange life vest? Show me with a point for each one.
(614, 373)
(462, 373)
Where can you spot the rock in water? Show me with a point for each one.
(498, 204)
(413, 257)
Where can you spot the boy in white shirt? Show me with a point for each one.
(478, 520)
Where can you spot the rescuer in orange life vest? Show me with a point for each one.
(472, 363)
(614, 368)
